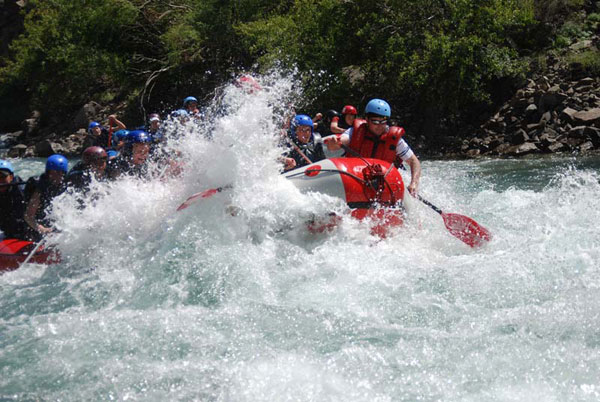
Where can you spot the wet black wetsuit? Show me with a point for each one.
(122, 165)
(47, 192)
(98, 140)
(324, 126)
(342, 123)
(12, 207)
(79, 177)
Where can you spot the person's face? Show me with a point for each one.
(5, 178)
(349, 118)
(98, 167)
(303, 133)
(56, 177)
(377, 125)
(155, 124)
(97, 130)
(192, 105)
(140, 153)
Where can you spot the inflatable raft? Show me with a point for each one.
(371, 188)
(14, 252)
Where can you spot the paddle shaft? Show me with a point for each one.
(424, 201)
(35, 249)
(296, 147)
(109, 134)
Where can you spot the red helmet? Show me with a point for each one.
(349, 109)
(93, 154)
(154, 117)
(248, 83)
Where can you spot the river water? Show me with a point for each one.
(150, 304)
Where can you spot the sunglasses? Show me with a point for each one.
(5, 173)
(378, 122)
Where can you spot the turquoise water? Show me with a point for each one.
(151, 304)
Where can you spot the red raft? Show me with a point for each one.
(372, 188)
(14, 252)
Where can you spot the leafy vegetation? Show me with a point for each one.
(587, 62)
(429, 58)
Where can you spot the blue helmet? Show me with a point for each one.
(6, 165)
(379, 107)
(92, 125)
(121, 134)
(302, 120)
(188, 100)
(179, 113)
(57, 162)
(138, 136)
(111, 153)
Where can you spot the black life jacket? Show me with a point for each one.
(324, 126)
(79, 177)
(122, 165)
(313, 150)
(12, 205)
(342, 122)
(47, 193)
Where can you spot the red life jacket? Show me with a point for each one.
(368, 145)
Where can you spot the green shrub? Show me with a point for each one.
(572, 30)
(587, 62)
(592, 22)
(82, 43)
(553, 11)
(561, 41)
(593, 17)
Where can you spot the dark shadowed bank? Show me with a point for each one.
(465, 78)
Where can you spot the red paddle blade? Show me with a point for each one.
(466, 229)
(210, 192)
(194, 197)
(205, 194)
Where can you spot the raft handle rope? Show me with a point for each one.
(365, 183)
(308, 171)
(377, 190)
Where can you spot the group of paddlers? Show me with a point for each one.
(25, 205)
(370, 137)
(116, 151)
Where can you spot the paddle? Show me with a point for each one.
(462, 227)
(459, 226)
(291, 142)
(204, 194)
(35, 249)
(110, 134)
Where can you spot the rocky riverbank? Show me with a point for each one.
(558, 112)
(69, 139)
